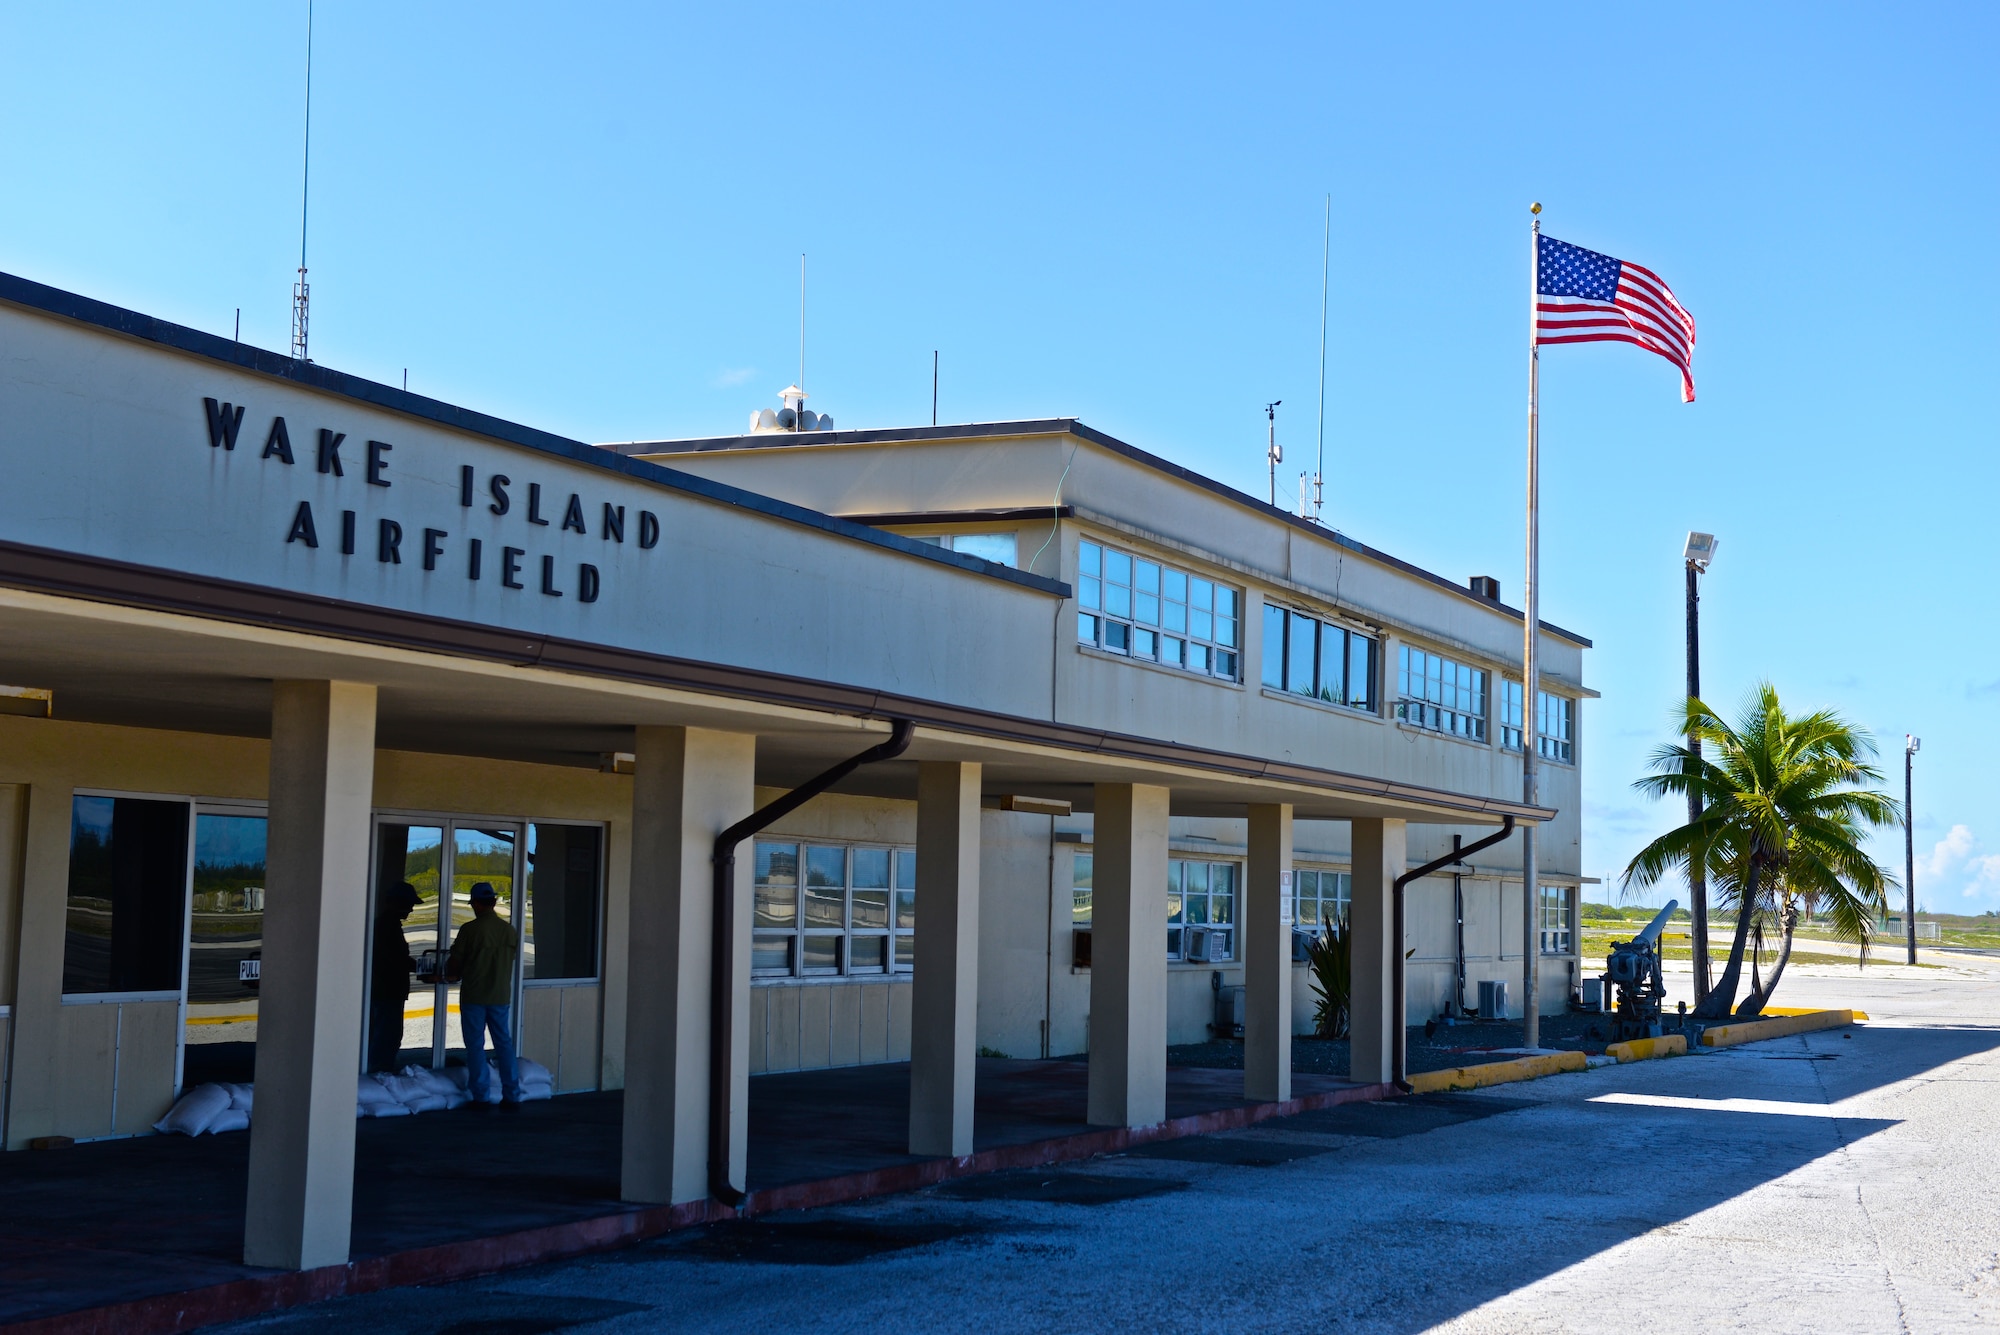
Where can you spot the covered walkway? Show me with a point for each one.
(101, 1225)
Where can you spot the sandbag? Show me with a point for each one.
(372, 1100)
(239, 1095)
(438, 1085)
(230, 1119)
(413, 1092)
(195, 1112)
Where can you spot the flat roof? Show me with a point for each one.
(1048, 426)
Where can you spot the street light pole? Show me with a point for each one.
(1911, 745)
(1700, 550)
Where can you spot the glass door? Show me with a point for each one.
(405, 965)
(425, 871)
(481, 854)
(225, 946)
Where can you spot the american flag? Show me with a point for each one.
(1584, 297)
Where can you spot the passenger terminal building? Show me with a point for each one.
(274, 638)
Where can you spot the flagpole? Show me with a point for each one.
(1531, 680)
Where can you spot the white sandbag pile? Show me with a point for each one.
(215, 1108)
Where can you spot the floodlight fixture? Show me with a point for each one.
(1700, 550)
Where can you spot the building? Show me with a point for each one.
(275, 638)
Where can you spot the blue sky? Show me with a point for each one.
(591, 221)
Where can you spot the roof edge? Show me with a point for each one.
(54, 301)
(1047, 426)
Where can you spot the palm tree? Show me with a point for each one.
(1784, 812)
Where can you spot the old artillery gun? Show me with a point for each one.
(1633, 969)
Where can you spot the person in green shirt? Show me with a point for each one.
(482, 964)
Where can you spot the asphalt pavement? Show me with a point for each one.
(1845, 1180)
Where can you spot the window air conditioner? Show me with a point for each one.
(1198, 945)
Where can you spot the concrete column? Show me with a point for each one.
(688, 785)
(1128, 957)
(300, 1209)
(1267, 956)
(32, 1103)
(944, 1002)
(1379, 858)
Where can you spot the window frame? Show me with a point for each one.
(894, 963)
(1176, 923)
(950, 541)
(1561, 900)
(195, 806)
(1143, 580)
(1417, 711)
(1282, 656)
(1343, 896)
(1561, 749)
(603, 829)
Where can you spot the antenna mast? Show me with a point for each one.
(300, 294)
(1319, 466)
(1271, 451)
(802, 320)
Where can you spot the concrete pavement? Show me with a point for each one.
(1837, 1181)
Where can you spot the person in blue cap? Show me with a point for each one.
(482, 964)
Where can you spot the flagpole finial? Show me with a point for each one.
(1535, 208)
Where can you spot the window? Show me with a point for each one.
(1555, 723)
(1556, 901)
(1319, 897)
(1201, 910)
(1000, 548)
(825, 910)
(128, 880)
(1081, 868)
(559, 929)
(226, 934)
(1129, 605)
(1441, 695)
(1308, 656)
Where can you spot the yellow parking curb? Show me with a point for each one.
(1642, 1049)
(1497, 1073)
(1751, 1031)
(1778, 1011)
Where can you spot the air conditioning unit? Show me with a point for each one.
(1301, 940)
(1591, 995)
(1079, 948)
(1492, 999)
(1199, 945)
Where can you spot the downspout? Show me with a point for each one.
(722, 971)
(1458, 925)
(1399, 1050)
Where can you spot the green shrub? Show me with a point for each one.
(1331, 957)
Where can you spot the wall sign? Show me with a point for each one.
(553, 574)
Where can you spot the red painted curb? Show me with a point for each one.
(256, 1295)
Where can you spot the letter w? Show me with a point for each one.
(224, 420)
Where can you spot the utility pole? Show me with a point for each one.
(1271, 451)
(1911, 745)
(1700, 550)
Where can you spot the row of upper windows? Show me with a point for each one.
(1146, 610)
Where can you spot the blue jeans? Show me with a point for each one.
(475, 1022)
